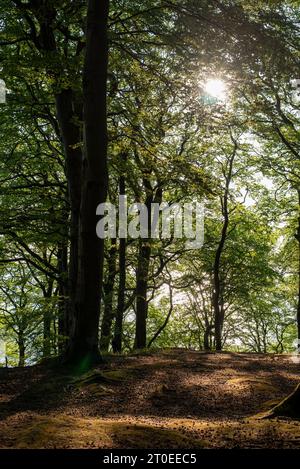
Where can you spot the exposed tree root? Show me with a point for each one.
(289, 407)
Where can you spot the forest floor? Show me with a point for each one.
(167, 399)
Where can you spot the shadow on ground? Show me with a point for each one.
(181, 398)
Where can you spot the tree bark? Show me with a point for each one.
(108, 298)
(207, 336)
(46, 334)
(83, 346)
(143, 273)
(297, 235)
(21, 346)
(47, 318)
(118, 331)
(71, 139)
(141, 294)
(63, 297)
(289, 407)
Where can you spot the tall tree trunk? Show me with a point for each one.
(108, 289)
(297, 235)
(118, 331)
(141, 294)
(21, 346)
(46, 333)
(47, 319)
(83, 345)
(217, 293)
(207, 336)
(290, 406)
(63, 300)
(117, 339)
(71, 138)
(142, 277)
(143, 272)
(219, 318)
(218, 309)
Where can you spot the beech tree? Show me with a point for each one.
(109, 99)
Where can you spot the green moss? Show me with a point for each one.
(99, 382)
(269, 404)
(256, 384)
(116, 375)
(147, 437)
(98, 390)
(70, 432)
(62, 432)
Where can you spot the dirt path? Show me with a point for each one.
(174, 398)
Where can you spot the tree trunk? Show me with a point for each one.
(108, 299)
(219, 318)
(71, 138)
(46, 333)
(83, 345)
(21, 346)
(217, 306)
(141, 294)
(297, 235)
(143, 272)
(207, 337)
(289, 407)
(142, 278)
(47, 318)
(63, 300)
(117, 339)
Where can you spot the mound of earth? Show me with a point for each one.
(166, 399)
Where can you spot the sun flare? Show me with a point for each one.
(216, 88)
